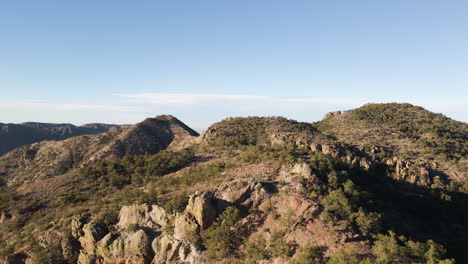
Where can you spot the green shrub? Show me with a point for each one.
(349, 257)
(256, 249)
(279, 247)
(367, 223)
(177, 203)
(337, 207)
(224, 236)
(390, 249)
(309, 254)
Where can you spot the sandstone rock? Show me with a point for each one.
(93, 232)
(301, 169)
(201, 207)
(332, 150)
(166, 249)
(330, 114)
(242, 193)
(185, 225)
(142, 215)
(22, 257)
(55, 240)
(77, 224)
(126, 247)
(189, 253)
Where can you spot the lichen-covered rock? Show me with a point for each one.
(77, 224)
(166, 249)
(201, 207)
(127, 247)
(151, 216)
(93, 232)
(185, 225)
(243, 193)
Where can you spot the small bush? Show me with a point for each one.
(309, 254)
(224, 236)
(177, 204)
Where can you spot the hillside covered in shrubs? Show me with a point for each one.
(384, 183)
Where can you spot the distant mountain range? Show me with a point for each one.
(15, 135)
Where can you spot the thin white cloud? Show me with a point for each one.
(191, 99)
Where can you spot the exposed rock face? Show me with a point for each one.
(168, 249)
(244, 193)
(416, 172)
(185, 226)
(288, 138)
(20, 258)
(201, 207)
(330, 114)
(151, 216)
(126, 247)
(140, 236)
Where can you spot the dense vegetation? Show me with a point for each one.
(250, 131)
(138, 169)
(443, 135)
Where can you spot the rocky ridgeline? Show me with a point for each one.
(415, 172)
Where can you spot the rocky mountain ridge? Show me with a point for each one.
(249, 190)
(16, 135)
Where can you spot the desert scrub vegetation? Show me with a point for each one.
(200, 173)
(177, 204)
(309, 254)
(444, 136)
(275, 155)
(393, 249)
(258, 248)
(5, 197)
(224, 236)
(234, 132)
(137, 169)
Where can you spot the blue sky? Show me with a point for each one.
(121, 61)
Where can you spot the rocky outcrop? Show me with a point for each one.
(185, 226)
(201, 207)
(417, 172)
(150, 216)
(22, 257)
(330, 114)
(243, 193)
(168, 249)
(143, 234)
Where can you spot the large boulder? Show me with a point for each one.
(243, 193)
(93, 232)
(166, 249)
(127, 247)
(151, 216)
(202, 208)
(185, 226)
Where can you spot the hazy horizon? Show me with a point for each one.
(120, 62)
